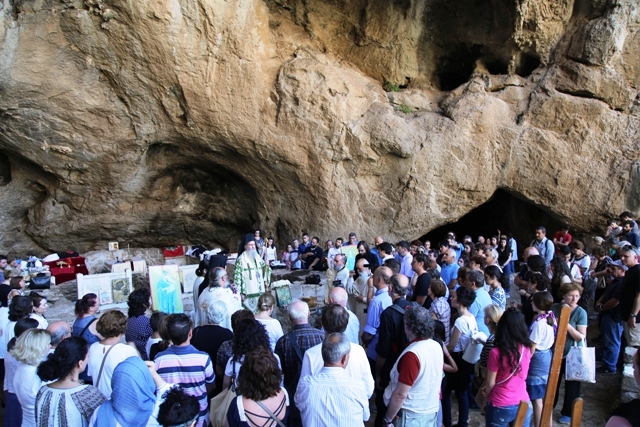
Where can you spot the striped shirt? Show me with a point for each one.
(331, 398)
(192, 370)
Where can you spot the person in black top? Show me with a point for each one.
(210, 336)
(312, 256)
(630, 296)
(392, 339)
(423, 281)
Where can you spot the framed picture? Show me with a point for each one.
(284, 296)
(164, 282)
(113, 246)
(111, 288)
(188, 276)
(350, 252)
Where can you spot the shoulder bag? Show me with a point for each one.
(219, 405)
(474, 350)
(581, 363)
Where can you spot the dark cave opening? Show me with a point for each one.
(504, 211)
(215, 203)
(526, 64)
(5, 169)
(456, 67)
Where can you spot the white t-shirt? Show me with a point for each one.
(269, 254)
(4, 321)
(42, 322)
(467, 326)
(118, 354)
(584, 263)
(542, 334)
(274, 330)
(26, 384)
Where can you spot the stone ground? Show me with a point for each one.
(599, 398)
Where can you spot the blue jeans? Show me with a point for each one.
(611, 332)
(504, 416)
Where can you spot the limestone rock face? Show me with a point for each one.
(158, 123)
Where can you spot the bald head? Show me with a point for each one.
(338, 296)
(59, 331)
(382, 277)
(528, 252)
(378, 240)
(299, 312)
(399, 286)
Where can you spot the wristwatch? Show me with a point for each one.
(633, 315)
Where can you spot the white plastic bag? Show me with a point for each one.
(581, 363)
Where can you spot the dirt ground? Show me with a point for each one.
(599, 398)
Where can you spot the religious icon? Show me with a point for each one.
(166, 295)
(120, 288)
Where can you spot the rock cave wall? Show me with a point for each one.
(193, 121)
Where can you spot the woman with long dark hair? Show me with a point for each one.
(504, 259)
(259, 388)
(559, 274)
(138, 326)
(66, 402)
(507, 369)
(249, 335)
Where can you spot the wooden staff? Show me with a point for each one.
(521, 415)
(556, 363)
(576, 413)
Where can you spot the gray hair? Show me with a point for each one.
(397, 285)
(298, 310)
(58, 334)
(476, 277)
(215, 275)
(419, 322)
(215, 312)
(334, 347)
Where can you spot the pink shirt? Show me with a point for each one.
(514, 390)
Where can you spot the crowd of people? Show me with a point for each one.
(403, 328)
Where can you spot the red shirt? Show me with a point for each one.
(408, 367)
(562, 238)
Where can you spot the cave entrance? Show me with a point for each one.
(5, 169)
(504, 211)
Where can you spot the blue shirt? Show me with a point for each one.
(546, 249)
(448, 272)
(482, 300)
(380, 301)
(405, 265)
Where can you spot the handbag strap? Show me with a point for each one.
(514, 370)
(104, 359)
(87, 327)
(294, 342)
(271, 414)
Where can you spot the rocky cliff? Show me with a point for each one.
(160, 122)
